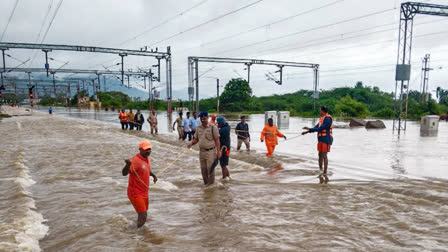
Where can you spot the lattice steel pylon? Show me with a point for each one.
(408, 11)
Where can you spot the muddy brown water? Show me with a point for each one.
(62, 190)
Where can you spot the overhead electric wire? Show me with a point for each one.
(44, 21)
(49, 25)
(155, 27)
(307, 30)
(378, 42)
(207, 22)
(344, 38)
(164, 22)
(15, 58)
(51, 21)
(269, 24)
(9, 19)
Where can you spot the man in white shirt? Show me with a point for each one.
(186, 124)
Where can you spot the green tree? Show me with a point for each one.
(114, 98)
(349, 107)
(237, 96)
(47, 100)
(442, 95)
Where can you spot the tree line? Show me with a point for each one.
(358, 101)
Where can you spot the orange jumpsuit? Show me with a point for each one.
(269, 135)
(139, 182)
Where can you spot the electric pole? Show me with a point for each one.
(4, 63)
(54, 84)
(104, 83)
(425, 78)
(217, 95)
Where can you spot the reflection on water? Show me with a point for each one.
(170, 123)
(380, 194)
(432, 133)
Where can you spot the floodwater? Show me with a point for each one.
(62, 190)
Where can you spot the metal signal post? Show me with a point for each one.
(408, 11)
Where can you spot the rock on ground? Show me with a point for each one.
(378, 124)
(357, 122)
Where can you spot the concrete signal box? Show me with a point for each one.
(270, 114)
(429, 123)
(283, 119)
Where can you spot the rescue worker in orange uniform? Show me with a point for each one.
(324, 131)
(123, 119)
(139, 170)
(269, 135)
(213, 120)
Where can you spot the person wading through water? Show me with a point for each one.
(224, 140)
(186, 125)
(242, 131)
(139, 120)
(324, 131)
(269, 134)
(152, 119)
(213, 119)
(131, 119)
(194, 123)
(139, 170)
(180, 129)
(207, 136)
(123, 119)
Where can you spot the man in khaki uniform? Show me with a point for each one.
(152, 119)
(209, 148)
(180, 128)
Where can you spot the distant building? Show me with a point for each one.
(83, 101)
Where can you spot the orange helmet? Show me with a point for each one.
(213, 116)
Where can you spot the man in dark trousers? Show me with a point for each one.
(324, 131)
(224, 140)
(139, 120)
(242, 131)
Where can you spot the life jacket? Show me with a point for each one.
(324, 132)
(139, 176)
(123, 117)
(270, 134)
(212, 121)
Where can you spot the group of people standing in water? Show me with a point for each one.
(137, 120)
(213, 138)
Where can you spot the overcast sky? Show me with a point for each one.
(364, 49)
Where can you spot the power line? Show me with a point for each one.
(340, 35)
(273, 23)
(14, 58)
(154, 27)
(49, 25)
(308, 30)
(344, 38)
(45, 19)
(197, 26)
(367, 44)
(207, 22)
(9, 19)
(52, 19)
(40, 30)
(164, 22)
